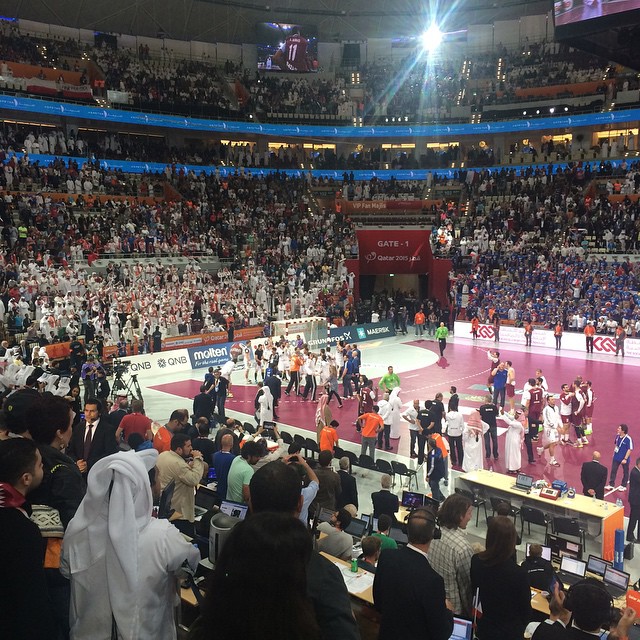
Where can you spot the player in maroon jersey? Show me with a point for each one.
(295, 51)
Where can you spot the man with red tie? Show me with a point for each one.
(92, 439)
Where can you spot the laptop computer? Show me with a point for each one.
(597, 565)
(325, 515)
(572, 570)
(616, 582)
(234, 509)
(462, 629)
(205, 500)
(523, 483)
(357, 527)
(397, 534)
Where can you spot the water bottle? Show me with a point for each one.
(618, 502)
(490, 468)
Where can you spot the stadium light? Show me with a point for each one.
(431, 38)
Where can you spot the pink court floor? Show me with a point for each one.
(465, 366)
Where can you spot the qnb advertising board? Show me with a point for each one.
(156, 363)
(394, 251)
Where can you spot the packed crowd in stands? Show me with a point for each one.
(409, 90)
(539, 239)
(293, 267)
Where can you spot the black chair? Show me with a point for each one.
(498, 503)
(569, 527)
(249, 428)
(338, 452)
(531, 515)
(311, 447)
(401, 469)
(384, 466)
(287, 438)
(298, 439)
(367, 462)
(164, 505)
(476, 501)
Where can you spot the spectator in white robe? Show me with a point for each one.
(395, 413)
(513, 441)
(473, 442)
(121, 561)
(265, 405)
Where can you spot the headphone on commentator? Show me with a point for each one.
(578, 590)
(427, 514)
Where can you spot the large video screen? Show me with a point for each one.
(570, 12)
(287, 47)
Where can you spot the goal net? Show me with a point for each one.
(312, 330)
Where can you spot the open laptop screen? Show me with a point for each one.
(597, 565)
(571, 565)
(205, 498)
(357, 527)
(616, 578)
(462, 629)
(235, 509)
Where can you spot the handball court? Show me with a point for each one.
(423, 374)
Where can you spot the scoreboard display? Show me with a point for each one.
(607, 28)
(287, 47)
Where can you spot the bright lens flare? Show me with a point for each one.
(431, 38)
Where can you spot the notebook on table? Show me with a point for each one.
(523, 483)
(205, 500)
(572, 570)
(616, 582)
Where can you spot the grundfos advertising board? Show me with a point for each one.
(394, 251)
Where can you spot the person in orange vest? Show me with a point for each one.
(475, 325)
(418, 321)
(443, 445)
(329, 437)
(557, 333)
(589, 332)
(294, 372)
(528, 330)
(621, 336)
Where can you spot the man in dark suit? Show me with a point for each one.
(593, 476)
(274, 383)
(384, 501)
(349, 493)
(93, 439)
(203, 404)
(407, 591)
(634, 503)
(115, 417)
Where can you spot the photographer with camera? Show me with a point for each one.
(89, 375)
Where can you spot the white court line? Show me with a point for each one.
(415, 375)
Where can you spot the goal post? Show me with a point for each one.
(313, 330)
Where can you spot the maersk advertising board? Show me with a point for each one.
(214, 355)
(363, 332)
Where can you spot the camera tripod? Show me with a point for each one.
(122, 387)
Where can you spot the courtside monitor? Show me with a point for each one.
(561, 547)
(412, 499)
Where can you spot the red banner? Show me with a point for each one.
(394, 251)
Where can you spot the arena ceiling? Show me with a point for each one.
(235, 20)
